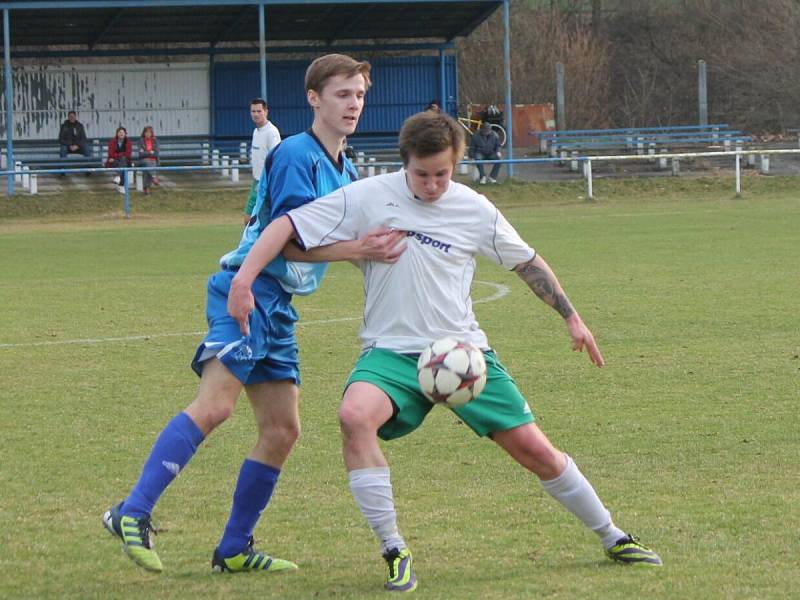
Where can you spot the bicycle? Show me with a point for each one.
(471, 125)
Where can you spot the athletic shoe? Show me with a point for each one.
(401, 577)
(135, 536)
(121, 189)
(117, 180)
(482, 181)
(249, 560)
(630, 551)
(492, 180)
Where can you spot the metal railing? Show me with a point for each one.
(370, 167)
(28, 178)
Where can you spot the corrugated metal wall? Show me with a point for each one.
(173, 98)
(401, 87)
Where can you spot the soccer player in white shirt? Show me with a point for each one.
(265, 137)
(423, 296)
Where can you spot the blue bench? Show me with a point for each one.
(625, 137)
(641, 145)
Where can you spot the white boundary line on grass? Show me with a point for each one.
(500, 291)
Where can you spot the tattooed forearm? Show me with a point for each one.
(545, 286)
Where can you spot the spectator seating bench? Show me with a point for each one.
(627, 139)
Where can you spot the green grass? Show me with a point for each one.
(690, 433)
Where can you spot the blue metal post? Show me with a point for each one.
(212, 92)
(262, 50)
(507, 76)
(442, 81)
(9, 102)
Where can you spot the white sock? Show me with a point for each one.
(372, 490)
(577, 495)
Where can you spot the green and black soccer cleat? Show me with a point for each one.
(630, 551)
(135, 536)
(401, 577)
(249, 560)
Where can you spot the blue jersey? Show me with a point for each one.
(296, 172)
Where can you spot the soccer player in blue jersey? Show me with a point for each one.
(264, 360)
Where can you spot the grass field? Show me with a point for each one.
(690, 433)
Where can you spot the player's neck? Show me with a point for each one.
(331, 140)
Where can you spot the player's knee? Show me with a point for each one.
(209, 415)
(281, 435)
(352, 420)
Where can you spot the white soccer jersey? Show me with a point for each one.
(264, 139)
(425, 295)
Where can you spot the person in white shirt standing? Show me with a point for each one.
(265, 137)
(422, 296)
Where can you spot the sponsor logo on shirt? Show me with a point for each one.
(426, 240)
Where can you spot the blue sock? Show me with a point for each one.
(174, 447)
(253, 491)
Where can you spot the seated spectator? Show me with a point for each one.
(434, 106)
(149, 154)
(485, 145)
(120, 152)
(72, 137)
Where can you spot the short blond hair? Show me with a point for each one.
(331, 65)
(427, 133)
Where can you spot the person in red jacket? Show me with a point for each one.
(120, 152)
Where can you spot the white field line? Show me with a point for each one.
(500, 291)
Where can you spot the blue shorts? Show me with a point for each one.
(269, 353)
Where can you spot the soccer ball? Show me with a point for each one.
(451, 372)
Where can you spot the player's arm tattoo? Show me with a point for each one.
(545, 286)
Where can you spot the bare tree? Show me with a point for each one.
(634, 63)
(540, 38)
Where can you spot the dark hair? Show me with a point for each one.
(427, 133)
(72, 112)
(434, 105)
(146, 127)
(260, 101)
(121, 128)
(331, 65)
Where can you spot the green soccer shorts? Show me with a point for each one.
(251, 198)
(499, 407)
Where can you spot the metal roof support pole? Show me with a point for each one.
(702, 91)
(442, 81)
(262, 50)
(212, 85)
(9, 102)
(507, 77)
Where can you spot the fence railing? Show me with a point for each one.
(370, 166)
(28, 178)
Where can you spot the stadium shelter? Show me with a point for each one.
(42, 30)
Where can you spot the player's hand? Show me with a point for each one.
(583, 338)
(240, 304)
(382, 245)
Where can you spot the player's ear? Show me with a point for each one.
(313, 98)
